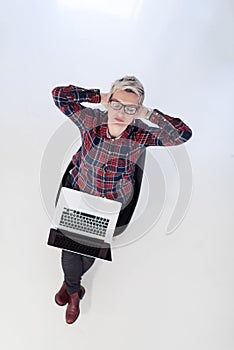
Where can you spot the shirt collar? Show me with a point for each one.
(111, 137)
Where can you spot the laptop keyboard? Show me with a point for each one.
(67, 243)
(78, 220)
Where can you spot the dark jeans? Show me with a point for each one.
(74, 265)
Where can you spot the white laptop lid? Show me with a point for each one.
(90, 204)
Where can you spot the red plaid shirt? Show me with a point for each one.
(104, 166)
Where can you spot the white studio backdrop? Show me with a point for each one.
(162, 291)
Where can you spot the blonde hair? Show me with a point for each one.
(129, 84)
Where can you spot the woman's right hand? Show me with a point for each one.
(104, 99)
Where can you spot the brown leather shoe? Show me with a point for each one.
(61, 298)
(82, 292)
(73, 309)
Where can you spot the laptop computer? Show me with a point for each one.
(84, 223)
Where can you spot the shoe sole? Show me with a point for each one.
(63, 304)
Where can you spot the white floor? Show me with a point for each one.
(170, 286)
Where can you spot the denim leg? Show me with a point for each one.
(88, 261)
(74, 266)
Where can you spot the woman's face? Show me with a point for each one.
(120, 117)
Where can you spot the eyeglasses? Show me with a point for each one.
(128, 109)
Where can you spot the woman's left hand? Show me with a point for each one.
(142, 112)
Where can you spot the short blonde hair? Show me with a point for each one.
(129, 84)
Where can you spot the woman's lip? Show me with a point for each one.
(119, 120)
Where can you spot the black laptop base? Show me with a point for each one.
(60, 240)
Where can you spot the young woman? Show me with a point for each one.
(112, 141)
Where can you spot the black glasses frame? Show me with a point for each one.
(124, 107)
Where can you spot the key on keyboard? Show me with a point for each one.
(83, 221)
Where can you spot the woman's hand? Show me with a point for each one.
(143, 112)
(104, 99)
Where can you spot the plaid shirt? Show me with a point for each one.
(104, 166)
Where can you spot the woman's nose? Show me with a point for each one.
(121, 112)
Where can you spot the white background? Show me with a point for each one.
(162, 291)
